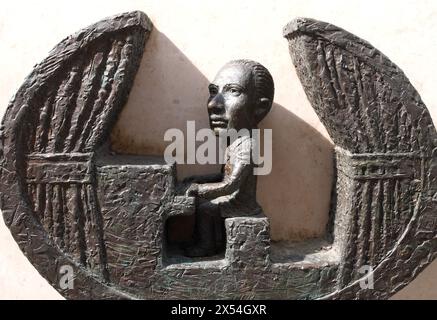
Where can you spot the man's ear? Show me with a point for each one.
(264, 106)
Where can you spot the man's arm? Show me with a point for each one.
(229, 185)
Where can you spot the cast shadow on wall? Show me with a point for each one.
(169, 90)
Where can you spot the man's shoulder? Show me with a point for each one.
(240, 150)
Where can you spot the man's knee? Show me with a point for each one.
(206, 207)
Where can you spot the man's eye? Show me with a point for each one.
(212, 92)
(234, 91)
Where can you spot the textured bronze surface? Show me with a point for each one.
(69, 201)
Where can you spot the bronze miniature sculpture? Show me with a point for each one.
(69, 202)
(241, 95)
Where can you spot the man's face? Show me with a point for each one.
(232, 99)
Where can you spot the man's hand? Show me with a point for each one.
(192, 190)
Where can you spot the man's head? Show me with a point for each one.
(241, 95)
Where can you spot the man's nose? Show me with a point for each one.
(216, 103)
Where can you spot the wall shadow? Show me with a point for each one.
(169, 90)
(296, 194)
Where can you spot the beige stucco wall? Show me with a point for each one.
(191, 41)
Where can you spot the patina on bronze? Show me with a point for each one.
(69, 201)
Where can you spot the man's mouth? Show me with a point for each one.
(218, 121)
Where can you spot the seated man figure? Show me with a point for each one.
(241, 95)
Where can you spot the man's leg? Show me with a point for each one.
(220, 233)
(204, 230)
